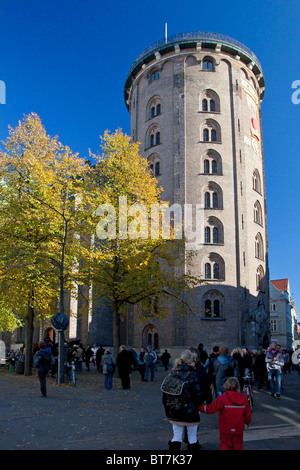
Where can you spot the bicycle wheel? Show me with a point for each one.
(250, 398)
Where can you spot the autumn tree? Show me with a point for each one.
(42, 206)
(130, 262)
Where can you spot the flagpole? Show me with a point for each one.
(166, 33)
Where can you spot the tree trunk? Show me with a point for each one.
(29, 337)
(116, 328)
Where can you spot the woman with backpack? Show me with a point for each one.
(108, 364)
(43, 360)
(182, 394)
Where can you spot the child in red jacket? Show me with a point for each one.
(234, 414)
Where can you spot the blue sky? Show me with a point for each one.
(67, 61)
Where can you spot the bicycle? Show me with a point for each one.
(249, 389)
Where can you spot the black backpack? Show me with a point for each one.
(177, 390)
(45, 361)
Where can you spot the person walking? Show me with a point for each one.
(182, 409)
(260, 367)
(209, 367)
(141, 363)
(43, 360)
(234, 414)
(165, 358)
(108, 365)
(150, 359)
(224, 366)
(99, 354)
(125, 361)
(274, 363)
(88, 354)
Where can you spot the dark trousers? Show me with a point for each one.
(42, 379)
(125, 379)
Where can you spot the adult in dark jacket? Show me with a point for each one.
(43, 360)
(125, 361)
(183, 410)
(224, 367)
(88, 355)
(237, 355)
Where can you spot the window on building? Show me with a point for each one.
(205, 135)
(215, 235)
(212, 106)
(256, 181)
(216, 271)
(154, 76)
(207, 271)
(214, 168)
(207, 200)
(273, 326)
(207, 234)
(204, 105)
(215, 200)
(213, 135)
(206, 166)
(208, 65)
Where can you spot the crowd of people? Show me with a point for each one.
(213, 383)
(208, 382)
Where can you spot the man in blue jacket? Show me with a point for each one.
(43, 360)
(225, 366)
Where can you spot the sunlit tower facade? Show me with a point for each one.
(194, 102)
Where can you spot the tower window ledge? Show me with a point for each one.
(212, 319)
(209, 112)
(209, 142)
(152, 147)
(209, 174)
(214, 244)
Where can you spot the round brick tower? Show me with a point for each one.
(194, 102)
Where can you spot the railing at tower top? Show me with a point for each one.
(198, 36)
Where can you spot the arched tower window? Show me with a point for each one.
(153, 108)
(154, 164)
(153, 136)
(213, 196)
(209, 101)
(213, 303)
(208, 63)
(258, 217)
(256, 181)
(259, 247)
(211, 131)
(214, 267)
(211, 163)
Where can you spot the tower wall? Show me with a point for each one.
(194, 103)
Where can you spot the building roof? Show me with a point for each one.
(191, 39)
(281, 284)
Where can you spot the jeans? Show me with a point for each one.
(150, 368)
(275, 374)
(108, 381)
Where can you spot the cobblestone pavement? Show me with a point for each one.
(87, 417)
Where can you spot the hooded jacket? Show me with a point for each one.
(234, 412)
(225, 366)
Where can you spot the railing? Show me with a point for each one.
(197, 36)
